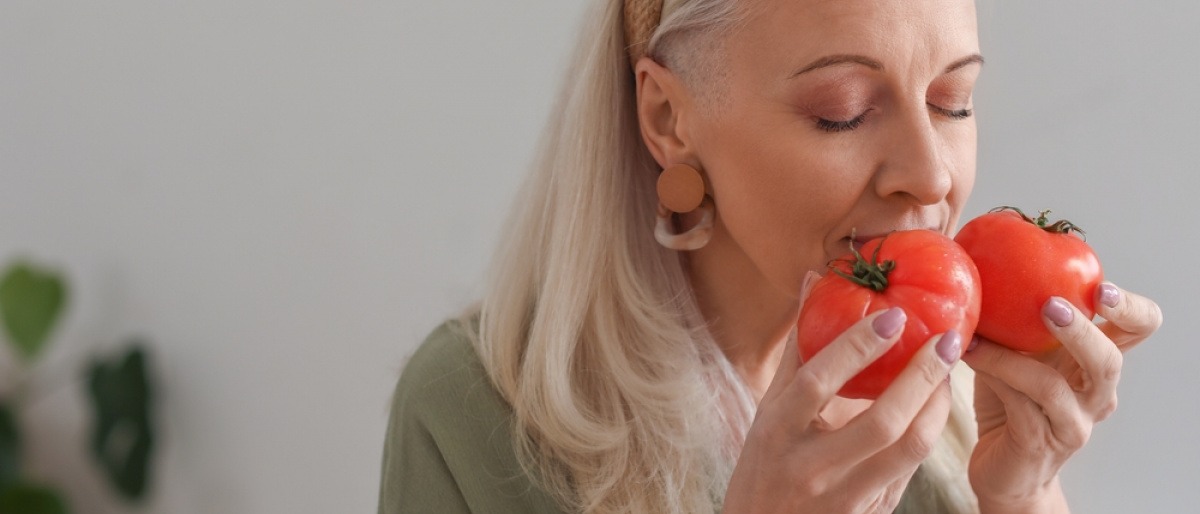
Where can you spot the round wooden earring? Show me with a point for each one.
(680, 188)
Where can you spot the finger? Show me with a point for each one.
(1043, 384)
(891, 416)
(825, 373)
(1021, 413)
(1130, 318)
(1099, 359)
(900, 460)
(790, 361)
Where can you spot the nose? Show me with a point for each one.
(916, 167)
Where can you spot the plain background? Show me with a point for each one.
(285, 197)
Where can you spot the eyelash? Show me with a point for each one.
(956, 114)
(841, 126)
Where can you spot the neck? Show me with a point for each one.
(749, 318)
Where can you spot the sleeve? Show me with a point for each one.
(449, 446)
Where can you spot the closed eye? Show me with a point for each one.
(956, 114)
(841, 126)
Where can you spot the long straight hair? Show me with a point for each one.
(622, 401)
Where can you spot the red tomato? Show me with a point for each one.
(921, 271)
(1022, 263)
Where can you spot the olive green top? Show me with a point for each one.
(448, 447)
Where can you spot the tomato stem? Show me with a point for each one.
(872, 274)
(1043, 222)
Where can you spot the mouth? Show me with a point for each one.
(860, 239)
(857, 242)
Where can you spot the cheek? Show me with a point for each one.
(964, 154)
(780, 195)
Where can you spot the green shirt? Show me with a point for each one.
(448, 446)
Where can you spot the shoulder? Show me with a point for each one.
(447, 419)
(446, 362)
(445, 389)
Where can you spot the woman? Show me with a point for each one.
(634, 351)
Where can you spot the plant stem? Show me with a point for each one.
(870, 274)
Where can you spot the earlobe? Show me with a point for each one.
(661, 102)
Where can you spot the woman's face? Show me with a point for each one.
(839, 116)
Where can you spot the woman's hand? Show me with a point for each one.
(793, 461)
(1035, 412)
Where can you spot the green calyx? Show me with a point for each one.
(1043, 222)
(871, 274)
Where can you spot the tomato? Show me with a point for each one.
(921, 271)
(1022, 263)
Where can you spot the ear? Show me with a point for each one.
(664, 109)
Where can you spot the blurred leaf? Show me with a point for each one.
(30, 499)
(122, 438)
(10, 445)
(31, 300)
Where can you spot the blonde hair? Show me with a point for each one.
(622, 401)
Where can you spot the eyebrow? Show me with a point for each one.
(833, 60)
(970, 59)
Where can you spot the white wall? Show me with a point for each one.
(283, 196)
(286, 196)
(1090, 108)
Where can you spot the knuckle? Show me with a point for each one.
(862, 344)
(1154, 316)
(1110, 369)
(1139, 314)
(1062, 395)
(933, 370)
(811, 384)
(1076, 434)
(919, 442)
(883, 428)
(1107, 408)
(1054, 393)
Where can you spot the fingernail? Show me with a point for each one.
(974, 342)
(949, 347)
(1109, 295)
(889, 323)
(1057, 310)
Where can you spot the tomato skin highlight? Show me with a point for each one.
(934, 281)
(1021, 266)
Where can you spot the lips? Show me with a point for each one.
(858, 242)
(859, 239)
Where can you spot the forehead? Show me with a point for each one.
(899, 30)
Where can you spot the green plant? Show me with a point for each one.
(32, 299)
